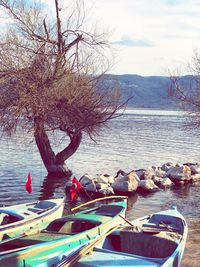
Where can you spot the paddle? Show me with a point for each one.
(166, 226)
(26, 233)
(74, 257)
(127, 221)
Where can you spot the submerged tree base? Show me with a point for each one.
(59, 171)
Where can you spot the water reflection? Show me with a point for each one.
(131, 201)
(51, 185)
(181, 191)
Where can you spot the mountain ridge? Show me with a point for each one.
(146, 91)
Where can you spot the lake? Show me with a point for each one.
(138, 139)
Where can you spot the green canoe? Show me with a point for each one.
(63, 238)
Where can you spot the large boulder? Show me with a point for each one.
(195, 177)
(163, 182)
(107, 191)
(147, 186)
(86, 179)
(179, 174)
(140, 173)
(105, 178)
(167, 166)
(149, 173)
(195, 169)
(91, 187)
(160, 173)
(127, 183)
(145, 174)
(100, 186)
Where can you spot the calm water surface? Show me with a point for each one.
(139, 139)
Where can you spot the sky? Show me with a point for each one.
(149, 37)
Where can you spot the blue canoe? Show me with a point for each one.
(155, 240)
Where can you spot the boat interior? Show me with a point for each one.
(56, 230)
(10, 215)
(151, 239)
(6, 218)
(64, 227)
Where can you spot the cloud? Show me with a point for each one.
(127, 41)
(173, 2)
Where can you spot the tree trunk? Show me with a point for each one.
(70, 149)
(55, 164)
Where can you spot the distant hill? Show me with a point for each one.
(147, 92)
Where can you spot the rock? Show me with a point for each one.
(189, 164)
(178, 165)
(179, 174)
(100, 178)
(195, 177)
(111, 179)
(157, 180)
(195, 169)
(91, 187)
(107, 191)
(143, 174)
(105, 178)
(120, 172)
(149, 174)
(140, 173)
(147, 186)
(165, 182)
(127, 183)
(68, 186)
(86, 179)
(100, 186)
(160, 173)
(165, 167)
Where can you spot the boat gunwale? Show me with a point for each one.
(98, 199)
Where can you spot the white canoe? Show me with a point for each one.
(16, 219)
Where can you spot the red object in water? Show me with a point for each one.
(76, 186)
(28, 185)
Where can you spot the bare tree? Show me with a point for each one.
(185, 90)
(51, 73)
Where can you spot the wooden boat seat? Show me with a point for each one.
(42, 206)
(35, 210)
(108, 210)
(149, 245)
(70, 227)
(80, 226)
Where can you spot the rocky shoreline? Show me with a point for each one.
(147, 180)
